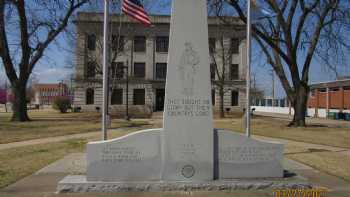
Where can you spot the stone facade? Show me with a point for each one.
(88, 24)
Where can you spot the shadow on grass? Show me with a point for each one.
(288, 174)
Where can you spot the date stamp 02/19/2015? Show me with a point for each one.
(318, 192)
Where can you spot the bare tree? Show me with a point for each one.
(221, 61)
(294, 33)
(27, 28)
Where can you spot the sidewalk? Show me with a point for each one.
(309, 120)
(55, 139)
(48, 140)
(44, 182)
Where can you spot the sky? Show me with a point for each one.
(55, 66)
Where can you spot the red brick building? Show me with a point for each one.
(46, 93)
(330, 95)
(3, 96)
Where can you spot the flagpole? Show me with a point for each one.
(105, 69)
(249, 37)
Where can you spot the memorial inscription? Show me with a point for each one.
(188, 107)
(239, 156)
(136, 156)
(112, 154)
(247, 154)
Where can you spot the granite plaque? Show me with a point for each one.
(132, 157)
(241, 157)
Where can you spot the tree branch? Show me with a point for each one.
(53, 33)
(4, 48)
(316, 35)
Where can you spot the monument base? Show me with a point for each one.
(137, 157)
(79, 183)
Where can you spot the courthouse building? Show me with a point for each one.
(143, 52)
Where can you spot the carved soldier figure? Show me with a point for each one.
(188, 68)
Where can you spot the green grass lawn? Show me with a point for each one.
(51, 123)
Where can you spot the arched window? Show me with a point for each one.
(91, 69)
(91, 42)
(234, 98)
(90, 96)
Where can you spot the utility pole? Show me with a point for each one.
(254, 89)
(127, 117)
(61, 88)
(71, 94)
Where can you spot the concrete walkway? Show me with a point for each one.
(56, 139)
(304, 144)
(47, 140)
(309, 120)
(44, 182)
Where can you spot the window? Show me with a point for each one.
(212, 45)
(346, 88)
(117, 97)
(234, 75)
(282, 103)
(117, 43)
(312, 93)
(139, 70)
(212, 71)
(140, 44)
(213, 97)
(89, 96)
(91, 69)
(234, 98)
(235, 45)
(162, 44)
(161, 70)
(322, 90)
(269, 102)
(139, 96)
(91, 42)
(117, 70)
(334, 89)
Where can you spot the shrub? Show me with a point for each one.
(62, 104)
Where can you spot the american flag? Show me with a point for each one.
(134, 9)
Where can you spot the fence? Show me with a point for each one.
(322, 113)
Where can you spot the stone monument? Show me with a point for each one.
(187, 138)
(187, 149)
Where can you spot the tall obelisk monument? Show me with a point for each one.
(187, 140)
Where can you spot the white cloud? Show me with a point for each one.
(44, 74)
(51, 75)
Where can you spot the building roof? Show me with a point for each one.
(331, 84)
(155, 19)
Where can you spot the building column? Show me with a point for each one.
(341, 99)
(328, 101)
